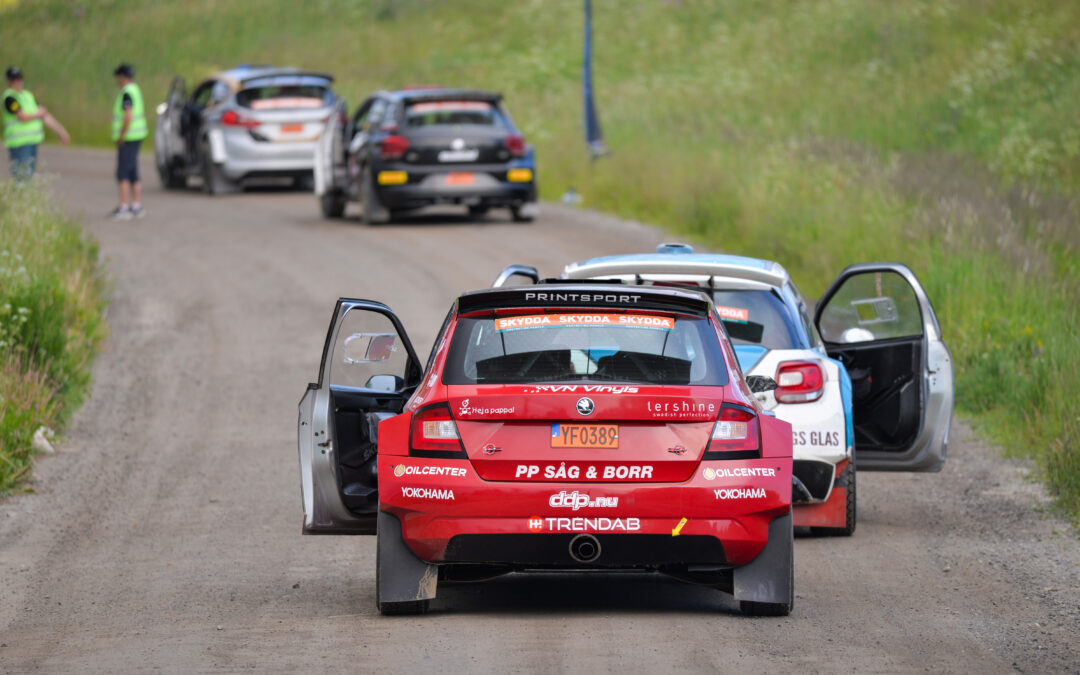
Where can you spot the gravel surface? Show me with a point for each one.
(165, 533)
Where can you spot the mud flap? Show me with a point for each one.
(401, 576)
(769, 577)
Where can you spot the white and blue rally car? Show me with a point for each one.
(867, 375)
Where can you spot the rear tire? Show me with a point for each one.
(214, 180)
(850, 516)
(372, 208)
(519, 215)
(333, 204)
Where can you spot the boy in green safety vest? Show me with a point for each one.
(24, 125)
(128, 131)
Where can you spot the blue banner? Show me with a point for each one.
(594, 137)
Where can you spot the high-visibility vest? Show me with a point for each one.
(16, 132)
(136, 130)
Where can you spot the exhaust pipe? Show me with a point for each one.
(584, 548)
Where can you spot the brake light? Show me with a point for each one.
(231, 118)
(393, 147)
(799, 382)
(736, 430)
(434, 430)
(515, 144)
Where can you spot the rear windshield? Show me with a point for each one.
(575, 346)
(756, 318)
(290, 94)
(452, 113)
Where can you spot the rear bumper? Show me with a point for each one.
(428, 186)
(245, 157)
(451, 515)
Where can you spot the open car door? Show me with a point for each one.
(369, 370)
(169, 152)
(329, 154)
(877, 320)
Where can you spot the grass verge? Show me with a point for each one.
(941, 133)
(52, 304)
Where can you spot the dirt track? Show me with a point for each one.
(165, 534)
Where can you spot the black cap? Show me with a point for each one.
(125, 69)
(14, 73)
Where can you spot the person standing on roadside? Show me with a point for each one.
(24, 125)
(128, 131)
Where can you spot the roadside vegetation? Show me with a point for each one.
(51, 321)
(940, 133)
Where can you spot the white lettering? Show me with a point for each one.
(423, 470)
(580, 500)
(427, 493)
(740, 493)
(584, 524)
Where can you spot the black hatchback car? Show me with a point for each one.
(411, 148)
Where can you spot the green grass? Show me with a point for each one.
(940, 133)
(51, 320)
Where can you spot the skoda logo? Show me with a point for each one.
(585, 406)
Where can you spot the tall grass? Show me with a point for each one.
(942, 133)
(51, 320)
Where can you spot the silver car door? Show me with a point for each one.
(368, 372)
(878, 321)
(329, 155)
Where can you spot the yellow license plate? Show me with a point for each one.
(585, 436)
(460, 178)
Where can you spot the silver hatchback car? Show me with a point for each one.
(246, 123)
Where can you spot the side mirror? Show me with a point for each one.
(390, 383)
(162, 108)
(760, 383)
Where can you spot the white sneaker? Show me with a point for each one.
(138, 211)
(120, 213)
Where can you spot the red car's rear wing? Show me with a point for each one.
(595, 295)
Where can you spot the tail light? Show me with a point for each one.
(515, 144)
(231, 118)
(434, 433)
(799, 382)
(393, 147)
(735, 435)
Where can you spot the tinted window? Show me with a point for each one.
(756, 318)
(452, 113)
(575, 346)
(284, 97)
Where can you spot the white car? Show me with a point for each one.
(869, 376)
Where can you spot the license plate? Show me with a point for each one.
(458, 155)
(460, 178)
(291, 128)
(585, 436)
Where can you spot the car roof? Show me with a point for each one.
(680, 259)
(441, 93)
(557, 293)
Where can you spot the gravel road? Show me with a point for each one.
(165, 533)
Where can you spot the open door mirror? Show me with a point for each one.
(368, 372)
(877, 320)
(522, 272)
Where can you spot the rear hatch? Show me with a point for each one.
(283, 110)
(448, 133)
(585, 395)
(629, 434)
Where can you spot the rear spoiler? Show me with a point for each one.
(594, 295)
(285, 74)
(452, 95)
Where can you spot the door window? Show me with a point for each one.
(367, 351)
(871, 306)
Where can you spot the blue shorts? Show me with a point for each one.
(23, 161)
(127, 161)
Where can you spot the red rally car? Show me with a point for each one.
(563, 426)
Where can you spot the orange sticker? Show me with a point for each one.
(733, 314)
(544, 320)
(278, 103)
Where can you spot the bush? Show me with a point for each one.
(52, 304)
